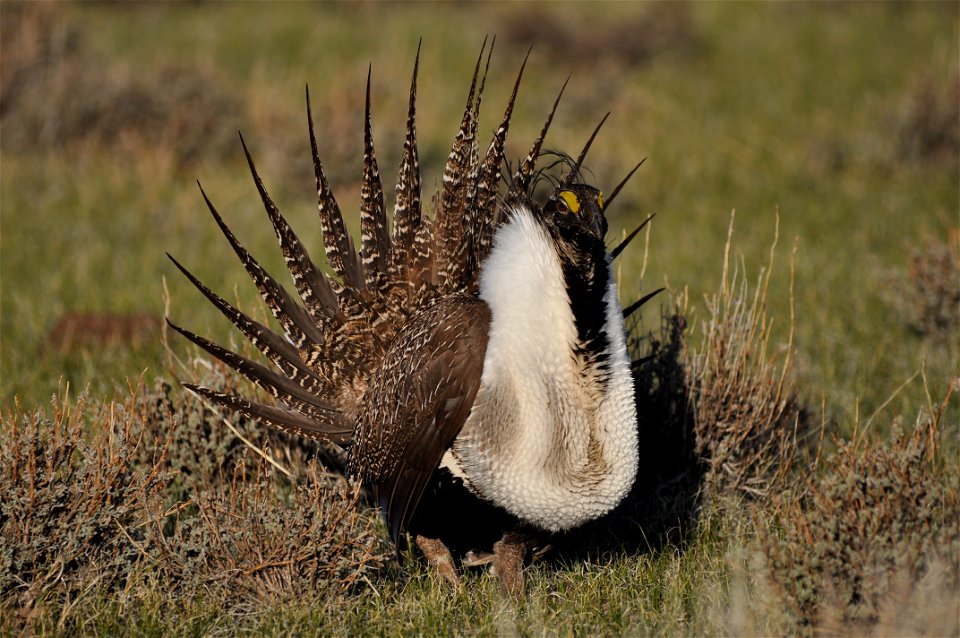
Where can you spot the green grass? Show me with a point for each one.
(797, 112)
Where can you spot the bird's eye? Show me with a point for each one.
(567, 201)
(600, 200)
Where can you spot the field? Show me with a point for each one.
(828, 303)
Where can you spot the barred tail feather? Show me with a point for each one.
(521, 180)
(332, 429)
(489, 180)
(277, 385)
(406, 213)
(453, 212)
(311, 284)
(270, 344)
(296, 323)
(375, 238)
(336, 240)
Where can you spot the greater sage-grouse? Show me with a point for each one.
(474, 363)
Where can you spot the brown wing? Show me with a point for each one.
(417, 402)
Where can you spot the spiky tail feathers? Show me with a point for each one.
(337, 328)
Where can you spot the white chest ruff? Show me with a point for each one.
(545, 439)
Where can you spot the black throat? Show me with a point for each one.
(586, 274)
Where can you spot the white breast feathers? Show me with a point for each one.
(552, 438)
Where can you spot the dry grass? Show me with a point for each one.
(144, 506)
(747, 419)
(73, 507)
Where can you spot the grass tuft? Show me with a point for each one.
(746, 417)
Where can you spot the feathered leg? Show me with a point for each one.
(439, 558)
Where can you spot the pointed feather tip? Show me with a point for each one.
(369, 74)
(179, 266)
(629, 310)
(525, 170)
(183, 331)
(575, 171)
(623, 244)
(250, 163)
(416, 63)
(623, 182)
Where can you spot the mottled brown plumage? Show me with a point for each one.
(386, 357)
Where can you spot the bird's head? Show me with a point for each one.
(574, 215)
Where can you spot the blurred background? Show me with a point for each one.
(840, 120)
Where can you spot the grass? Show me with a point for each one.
(840, 121)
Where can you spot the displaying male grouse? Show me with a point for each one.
(474, 362)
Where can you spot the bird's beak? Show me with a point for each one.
(595, 222)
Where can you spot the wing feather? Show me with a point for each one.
(418, 401)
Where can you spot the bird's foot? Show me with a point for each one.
(439, 558)
(508, 557)
(474, 559)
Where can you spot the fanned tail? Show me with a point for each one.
(312, 285)
(296, 323)
(337, 328)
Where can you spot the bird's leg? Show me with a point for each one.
(508, 556)
(439, 558)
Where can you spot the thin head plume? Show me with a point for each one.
(575, 169)
(626, 240)
(623, 182)
(525, 171)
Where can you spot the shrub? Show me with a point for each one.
(927, 296)
(163, 489)
(72, 510)
(879, 521)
